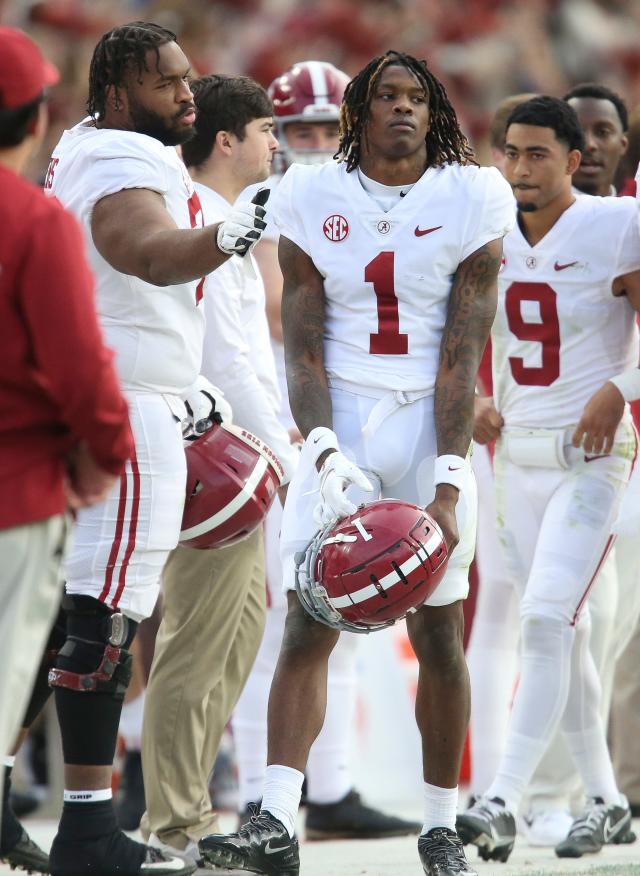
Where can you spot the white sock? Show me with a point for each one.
(591, 755)
(328, 770)
(95, 796)
(519, 761)
(282, 792)
(440, 807)
(131, 722)
(492, 658)
(9, 760)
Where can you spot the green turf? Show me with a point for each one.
(613, 870)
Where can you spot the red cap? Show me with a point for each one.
(24, 73)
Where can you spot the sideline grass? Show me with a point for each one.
(613, 870)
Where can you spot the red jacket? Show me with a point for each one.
(57, 383)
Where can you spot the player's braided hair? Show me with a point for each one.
(118, 52)
(445, 141)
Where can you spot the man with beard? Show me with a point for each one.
(148, 246)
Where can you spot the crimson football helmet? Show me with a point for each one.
(311, 91)
(232, 479)
(372, 568)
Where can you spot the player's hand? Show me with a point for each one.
(600, 418)
(205, 405)
(85, 482)
(336, 475)
(487, 422)
(243, 226)
(443, 511)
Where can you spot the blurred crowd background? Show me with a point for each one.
(483, 50)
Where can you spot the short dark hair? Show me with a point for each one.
(16, 124)
(446, 144)
(223, 103)
(601, 92)
(118, 52)
(498, 126)
(550, 112)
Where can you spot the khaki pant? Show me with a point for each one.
(212, 625)
(625, 721)
(30, 591)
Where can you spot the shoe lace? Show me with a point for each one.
(445, 847)
(488, 808)
(589, 821)
(259, 822)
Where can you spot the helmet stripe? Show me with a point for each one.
(319, 84)
(234, 505)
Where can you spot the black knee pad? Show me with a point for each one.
(94, 657)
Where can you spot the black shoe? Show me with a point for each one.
(260, 846)
(598, 825)
(25, 855)
(24, 802)
(130, 804)
(490, 826)
(114, 853)
(442, 853)
(349, 818)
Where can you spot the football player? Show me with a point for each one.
(119, 173)
(569, 288)
(390, 259)
(214, 600)
(306, 102)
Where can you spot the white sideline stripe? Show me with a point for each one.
(318, 82)
(392, 578)
(234, 505)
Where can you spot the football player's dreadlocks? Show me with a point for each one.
(445, 141)
(119, 51)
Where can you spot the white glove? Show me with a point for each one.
(336, 475)
(205, 405)
(244, 225)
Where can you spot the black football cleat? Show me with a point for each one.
(442, 854)
(349, 818)
(25, 855)
(262, 845)
(490, 826)
(599, 824)
(112, 854)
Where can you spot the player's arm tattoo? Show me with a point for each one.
(472, 308)
(303, 330)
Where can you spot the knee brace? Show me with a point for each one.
(94, 657)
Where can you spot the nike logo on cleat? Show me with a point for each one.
(420, 232)
(270, 850)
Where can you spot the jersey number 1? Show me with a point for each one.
(388, 340)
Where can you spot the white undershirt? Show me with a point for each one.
(385, 196)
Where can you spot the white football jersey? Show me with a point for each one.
(156, 331)
(559, 332)
(387, 275)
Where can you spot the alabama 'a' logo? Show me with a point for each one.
(335, 228)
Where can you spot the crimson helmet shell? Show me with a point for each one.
(311, 91)
(232, 480)
(372, 568)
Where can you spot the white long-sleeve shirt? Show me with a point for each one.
(237, 353)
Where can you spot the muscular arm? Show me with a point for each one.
(134, 232)
(472, 308)
(303, 329)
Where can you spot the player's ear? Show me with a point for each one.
(225, 141)
(573, 161)
(624, 142)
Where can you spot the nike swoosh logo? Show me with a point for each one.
(559, 267)
(598, 456)
(455, 467)
(610, 830)
(273, 851)
(420, 232)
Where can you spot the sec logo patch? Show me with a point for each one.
(335, 228)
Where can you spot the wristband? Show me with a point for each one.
(450, 469)
(320, 440)
(628, 382)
